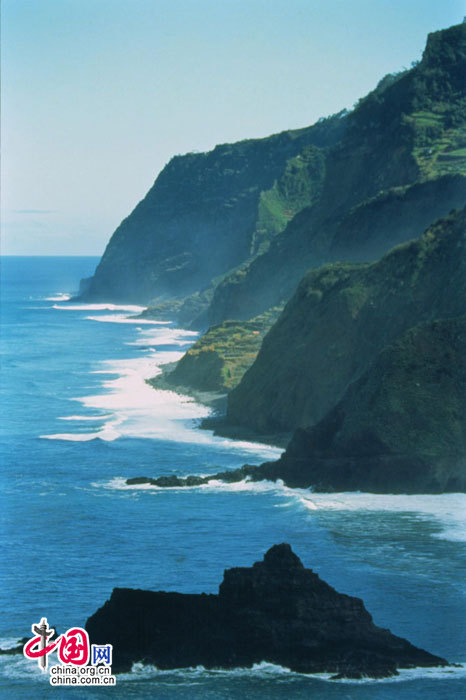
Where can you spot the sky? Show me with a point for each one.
(98, 95)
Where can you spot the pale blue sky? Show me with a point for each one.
(98, 95)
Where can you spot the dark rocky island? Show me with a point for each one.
(275, 611)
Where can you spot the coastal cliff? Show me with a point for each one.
(399, 165)
(209, 212)
(225, 235)
(225, 239)
(275, 611)
(400, 428)
(340, 318)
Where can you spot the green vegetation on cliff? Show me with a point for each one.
(340, 318)
(218, 360)
(410, 132)
(209, 212)
(299, 186)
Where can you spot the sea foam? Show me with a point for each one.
(59, 296)
(268, 670)
(448, 508)
(132, 308)
(133, 408)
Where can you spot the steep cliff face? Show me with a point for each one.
(400, 428)
(242, 223)
(208, 212)
(340, 318)
(410, 131)
(366, 232)
(275, 611)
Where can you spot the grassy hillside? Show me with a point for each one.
(218, 360)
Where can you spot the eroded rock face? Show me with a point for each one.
(276, 611)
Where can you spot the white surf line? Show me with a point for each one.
(448, 510)
(135, 409)
(131, 308)
(123, 318)
(60, 296)
(267, 670)
(86, 418)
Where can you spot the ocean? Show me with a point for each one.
(78, 419)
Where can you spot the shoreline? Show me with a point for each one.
(216, 401)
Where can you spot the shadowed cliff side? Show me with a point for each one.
(401, 428)
(340, 318)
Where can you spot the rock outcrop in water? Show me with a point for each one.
(275, 611)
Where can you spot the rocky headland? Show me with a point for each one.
(209, 212)
(367, 364)
(226, 235)
(356, 228)
(276, 611)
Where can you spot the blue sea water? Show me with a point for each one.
(78, 418)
